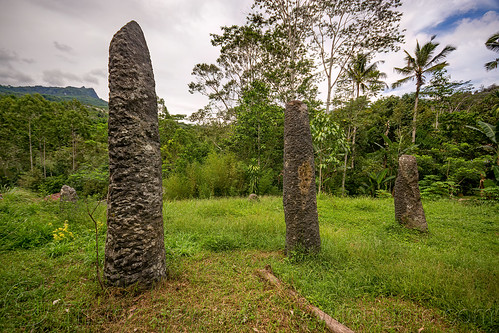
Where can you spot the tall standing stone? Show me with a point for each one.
(408, 207)
(299, 196)
(135, 251)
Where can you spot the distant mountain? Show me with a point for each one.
(87, 96)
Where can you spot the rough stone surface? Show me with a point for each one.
(135, 251)
(408, 207)
(68, 194)
(299, 196)
(253, 197)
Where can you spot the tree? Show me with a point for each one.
(492, 133)
(291, 20)
(440, 90)
(364, 77)
(422, 63)
(353, 112)
(359, 76)
(256, 51)
(257, 134)
(342, 29)
(76, 120)
(329, 143)
(492, 44)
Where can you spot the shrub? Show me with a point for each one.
(220, 175)
(432, 187)
(89, 181)
(176, 187)
(491, 192)
(52, 185)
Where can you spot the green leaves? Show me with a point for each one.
(492, 44)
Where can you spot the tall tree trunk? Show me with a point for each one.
(329, 92)
(415, 114)
(44, 158)
(354, 134)
(73, 136)
(344, 175)
(345, 164)
(30, 146)
(436, 117)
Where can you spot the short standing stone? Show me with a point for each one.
(135, 251)
(299, 195)
(408, 207)
(68, 194)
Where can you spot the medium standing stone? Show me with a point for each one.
(135, 251)
(408, 207)
(299, 196)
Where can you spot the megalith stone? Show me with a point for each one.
(408, 207)
(68, 194)
(299, 195)
(135, 251)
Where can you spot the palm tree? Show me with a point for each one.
(423, 62)
(492, 44)
(364, 76)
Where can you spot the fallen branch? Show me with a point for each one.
(332, 324)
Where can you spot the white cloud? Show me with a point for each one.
(178, 36)
(424, 14)
(468, 35)
(63, 47)
(59, 78)
(467, 62)
(14, 77)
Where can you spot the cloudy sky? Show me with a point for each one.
(65, 42)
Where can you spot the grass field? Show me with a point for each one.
(371, 274)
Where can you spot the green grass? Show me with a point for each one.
(372, 275)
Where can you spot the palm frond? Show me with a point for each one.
(398, 83)
(436, 67)
(425, 53)
(411, 62)
(491, 65)
(493, 42)
(447, 49)
(403, 71)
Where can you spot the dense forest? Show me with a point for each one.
(87, 96)
(234, 146)
(47, 144)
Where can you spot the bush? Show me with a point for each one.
(432, 187)
(491, 192)
(89, 182)
(52, 185)
(31, 180)
(220, 175)
(177, 187)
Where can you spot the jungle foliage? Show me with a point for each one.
(234, 145)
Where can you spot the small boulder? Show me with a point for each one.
(253, 197)
(68, 194)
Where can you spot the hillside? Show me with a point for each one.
(87, 96)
